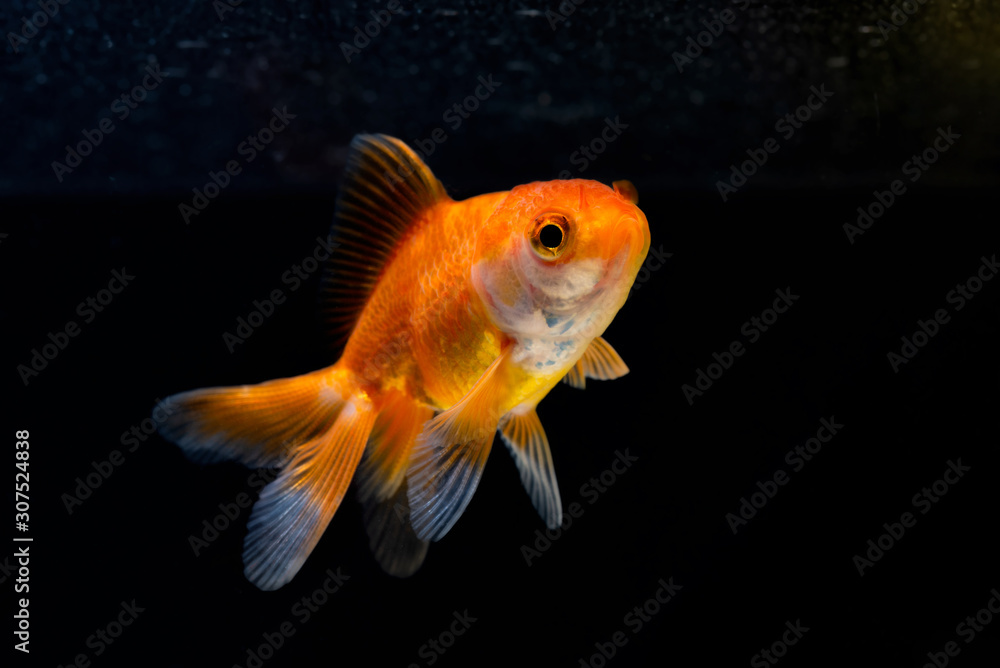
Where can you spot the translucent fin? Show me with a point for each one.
(390, 535)
(383, 468)
(450, 453)
(258, 425)
(575, 378)
(525, 438)
(600, 362)
(627, 190)
(295, 509)
(382, 487)
(386, 188)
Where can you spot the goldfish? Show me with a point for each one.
(455, 319)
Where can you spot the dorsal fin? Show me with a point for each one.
(386, 187)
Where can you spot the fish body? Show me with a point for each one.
(456, 319)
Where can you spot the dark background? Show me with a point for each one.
(666, 516)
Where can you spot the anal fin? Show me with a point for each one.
(382, 487)
(397, 426)
(395, 545)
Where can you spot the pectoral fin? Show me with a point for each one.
(600, 362)
(450, 453)
(525, 438)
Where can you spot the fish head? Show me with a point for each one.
(557, 259)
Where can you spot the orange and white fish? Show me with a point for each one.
(458, 317)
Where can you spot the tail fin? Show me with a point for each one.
(256, 425)
(313, 425)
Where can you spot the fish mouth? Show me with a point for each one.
(626, 252)
(630, 238)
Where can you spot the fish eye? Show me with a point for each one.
(549, 235)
